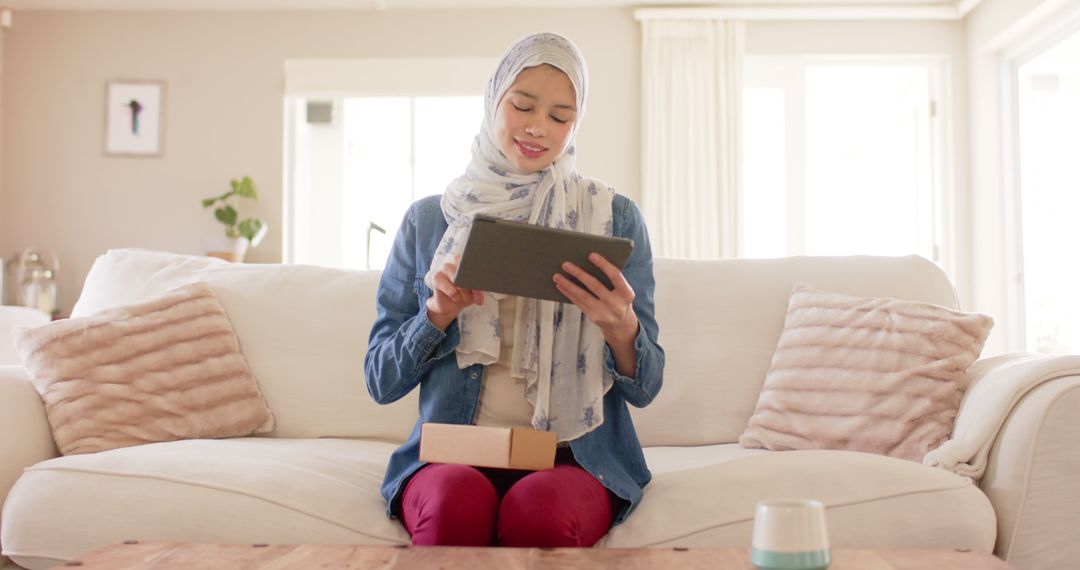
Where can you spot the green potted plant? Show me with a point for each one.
(239, 234)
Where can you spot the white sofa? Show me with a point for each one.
(315, 479)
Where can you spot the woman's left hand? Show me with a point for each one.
(610, 309)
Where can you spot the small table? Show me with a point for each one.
(134, 555)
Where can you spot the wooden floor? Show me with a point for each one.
(159, 555)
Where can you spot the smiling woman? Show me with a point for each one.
(491, 359)
(536, 117)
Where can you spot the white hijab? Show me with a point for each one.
(557, 350)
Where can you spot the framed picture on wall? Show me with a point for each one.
(133, 117)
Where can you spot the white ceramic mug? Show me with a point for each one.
(790, 535)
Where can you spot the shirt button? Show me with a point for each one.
(472, 376)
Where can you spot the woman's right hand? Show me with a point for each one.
(447, 299)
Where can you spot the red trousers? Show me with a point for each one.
(458, 505)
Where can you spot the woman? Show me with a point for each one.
(490, 359)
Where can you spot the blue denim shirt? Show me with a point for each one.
(405, 350)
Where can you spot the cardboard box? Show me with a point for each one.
(484, 446)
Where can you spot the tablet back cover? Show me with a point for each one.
(520, 259)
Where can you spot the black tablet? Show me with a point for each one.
(520, 259)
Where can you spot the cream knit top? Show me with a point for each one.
(502, 398)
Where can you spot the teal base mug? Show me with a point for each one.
(773, 560)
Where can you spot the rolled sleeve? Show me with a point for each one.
(645, 385)
(403, 342)
(649, 370)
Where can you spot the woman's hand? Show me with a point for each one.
(448, 300)
(610, 309)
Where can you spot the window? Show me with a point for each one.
(363, 140)
(1047, 129)
(362, 175)
(398, 151)
(842, 157)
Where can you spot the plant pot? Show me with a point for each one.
(229, 249)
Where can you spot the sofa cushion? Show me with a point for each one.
(326, 491)
(866, 374)
(302, 329)
(719, 323)
(251, 490)
(163, 369)
(872, 501)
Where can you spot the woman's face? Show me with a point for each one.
(535, 117)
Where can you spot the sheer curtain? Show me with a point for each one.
(691, 102)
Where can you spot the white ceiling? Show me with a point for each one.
(414, 4)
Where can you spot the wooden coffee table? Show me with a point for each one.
(165, 555)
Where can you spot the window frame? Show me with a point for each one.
(1020, 51)
(943, 242)
(337, 79)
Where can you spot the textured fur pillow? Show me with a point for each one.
(866, 374)
(165, 369)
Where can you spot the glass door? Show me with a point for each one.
(843, 156)
(1048, 178)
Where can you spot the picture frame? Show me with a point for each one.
(134, 112)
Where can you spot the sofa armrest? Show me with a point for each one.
(998, 385)
(1031, 478)
(25, 436)
(1016, 434)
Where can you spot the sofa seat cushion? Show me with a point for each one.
(267, 490)
(250, 490)
(872, 501)
(666, 459)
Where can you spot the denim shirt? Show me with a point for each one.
(405, 350)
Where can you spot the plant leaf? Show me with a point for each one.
(206, 203)
(253, 229)
(226, 215)
(246, 188)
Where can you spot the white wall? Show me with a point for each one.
(990, 28)
(224, 112)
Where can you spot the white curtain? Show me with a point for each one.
(692, 107)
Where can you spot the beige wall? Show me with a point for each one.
(989, 29)
(842, 37)
(223, 112)
(4, 254)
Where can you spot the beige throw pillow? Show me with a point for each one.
(164, 369)
(877, 375)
